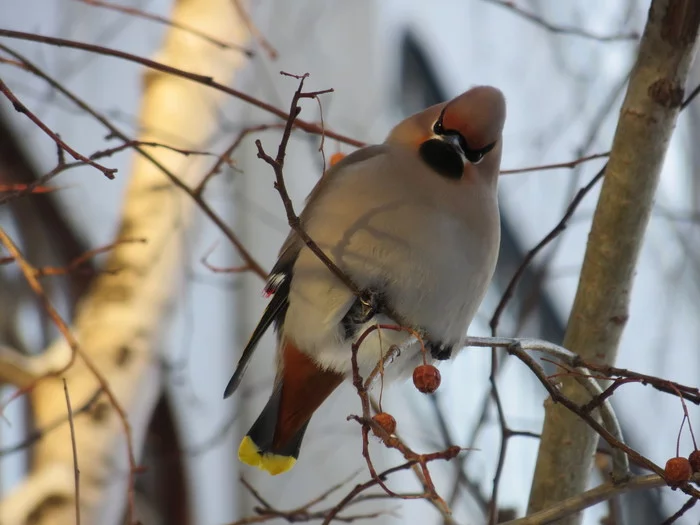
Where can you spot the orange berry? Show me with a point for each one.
(677, 471)
(694, 459)
(386, 421)
(336, 158)
(426, 378)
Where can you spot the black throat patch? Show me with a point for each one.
(443, 158)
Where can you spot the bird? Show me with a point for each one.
(414, 223)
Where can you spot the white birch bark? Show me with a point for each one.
(120, 320)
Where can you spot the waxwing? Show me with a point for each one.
(414, 223)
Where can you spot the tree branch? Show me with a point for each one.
(201, 79)
(600, 310)
(121, 318)
(589, 498)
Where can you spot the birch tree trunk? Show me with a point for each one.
(600, 309)
(118, 324)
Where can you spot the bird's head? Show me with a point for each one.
(460, 138)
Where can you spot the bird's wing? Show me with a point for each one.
(278, 286)
(280, 277)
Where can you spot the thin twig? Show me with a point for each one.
(39, 434)
(84, 258)
(131, 143)
(590, 498)
(76, 470)
(677, 515)
(391, 441)
(254, 31)
(243, 252)
(278, 166)
(132, 11)
(21, 108)
(30, 277)
(554, 232)
(563, 30)
(560, 165)
(201, 79)
(225, 157)
(503, 449)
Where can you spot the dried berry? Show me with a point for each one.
(336, 158)
(426, 378)
(677, 471)
(694, 459)
(386, 421)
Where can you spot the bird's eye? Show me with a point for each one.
(438, 128)
(474, 157)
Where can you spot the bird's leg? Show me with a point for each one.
(362, 310)
(367, 305)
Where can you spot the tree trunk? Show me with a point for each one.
(600, 310)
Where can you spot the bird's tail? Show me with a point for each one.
(273, 442)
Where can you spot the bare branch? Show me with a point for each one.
(21, 108)
(562, 30)
(254, 31)
(560, 165)
(201, 79)
(203, 205)
(590, 498)
(75, 453)
(166, 21)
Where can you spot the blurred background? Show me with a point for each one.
(563, 71)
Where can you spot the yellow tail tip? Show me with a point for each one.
(274, 464)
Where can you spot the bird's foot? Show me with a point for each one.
(438, 350)
(362, 310)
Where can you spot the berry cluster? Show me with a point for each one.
(679, 469)
(426, 378)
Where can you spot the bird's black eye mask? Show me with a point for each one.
(474, 156)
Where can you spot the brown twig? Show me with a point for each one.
(30, 277)
(62, 166)
(563, 30)
(39, 434)
(219, 269)
(293, 220)
(225, 157)
(21, 108)
(461, 478)
(554, 232)
(503, 448)
(591, 421)
(254, 31)
(132, 11)
(278, 166)
(76, 470)
(305, 513)
(131, 143)
(247, 257)
(391, 441)
(561, 165)
(331, 515)
(82, 259)
(75, 264)
(690, 393)
(677, 515)
(201, 79)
